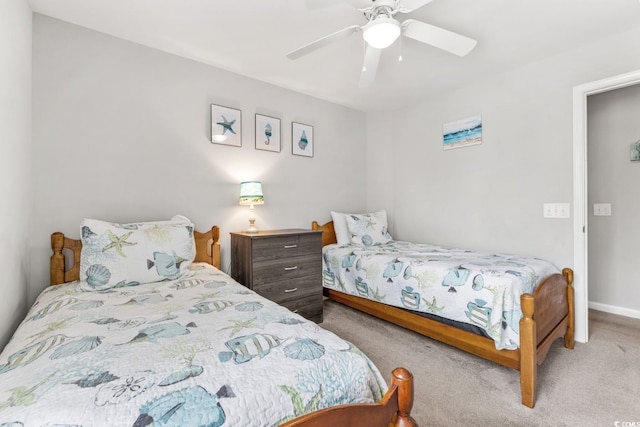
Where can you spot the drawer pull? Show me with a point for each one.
(290, 246)
(290, 290)
(295, 267)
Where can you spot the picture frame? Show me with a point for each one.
(462, 133)
(634, 152)
(268, 133)
(302, 140)
(226, 125)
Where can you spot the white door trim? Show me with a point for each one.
(580, 208)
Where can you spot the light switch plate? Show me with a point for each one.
(556, 210)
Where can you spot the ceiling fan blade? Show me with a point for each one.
(407, 6)
(370, 66)
(438, 37)
(338, 35)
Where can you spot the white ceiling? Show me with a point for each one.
(252, 37)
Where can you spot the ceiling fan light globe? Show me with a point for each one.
(381, 32)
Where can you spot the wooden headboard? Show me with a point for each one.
(328, 232)
(207, 250)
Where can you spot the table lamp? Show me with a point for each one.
(251, 194)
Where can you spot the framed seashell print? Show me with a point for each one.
(302, 141)
(267, 133)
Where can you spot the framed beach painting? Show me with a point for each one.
(635, 152)
(302, 139)
(226, 125)
(267, 133)
(462, 133)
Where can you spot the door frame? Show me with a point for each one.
(580, 200)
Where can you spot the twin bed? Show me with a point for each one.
(505, 308)
(147, 337)
(140, 328)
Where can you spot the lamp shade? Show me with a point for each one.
(381, 32)
(251, 193)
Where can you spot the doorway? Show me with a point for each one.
(580, 226)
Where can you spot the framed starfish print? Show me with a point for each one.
(226, 125)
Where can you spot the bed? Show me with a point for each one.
(191, 347)
(365, 274)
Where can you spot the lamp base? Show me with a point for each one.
(252, 224)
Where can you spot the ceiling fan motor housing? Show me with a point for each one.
(383, 29)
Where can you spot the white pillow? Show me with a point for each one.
(340, 227)
(116, 255)
(368, 229)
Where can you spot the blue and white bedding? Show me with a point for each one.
(476, 288)
(200, 350)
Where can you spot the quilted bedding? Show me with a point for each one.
(476, 288)
(200, 350)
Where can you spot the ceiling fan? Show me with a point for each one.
(383, 29)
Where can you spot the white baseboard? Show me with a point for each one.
(628, 312)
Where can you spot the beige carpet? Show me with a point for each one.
(595, 384)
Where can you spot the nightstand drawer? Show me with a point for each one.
(309, 308)
(287, 290)
(286, 268)
(284, 247)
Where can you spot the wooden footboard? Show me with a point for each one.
(548, 314)
(393, 410)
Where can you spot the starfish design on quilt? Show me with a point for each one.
(118, 242)
(204, 297)
(239, 325)
(52, 327)
(22, 396)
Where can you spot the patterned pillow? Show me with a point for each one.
(368, 229)
(117, 255)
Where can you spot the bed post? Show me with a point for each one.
(56, 270)
(403, 379)
(568, 336)
(215, 247)
(528, 351)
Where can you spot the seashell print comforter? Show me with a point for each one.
(476, 288)
(201, 350)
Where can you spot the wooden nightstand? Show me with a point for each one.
(284, 266)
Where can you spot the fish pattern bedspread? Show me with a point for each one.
(201, 350)
(477, 288)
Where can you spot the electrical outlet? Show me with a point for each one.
(602, 209)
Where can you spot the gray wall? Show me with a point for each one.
(122, 133)
(614, 241)
(491, 196)
(15, 160)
